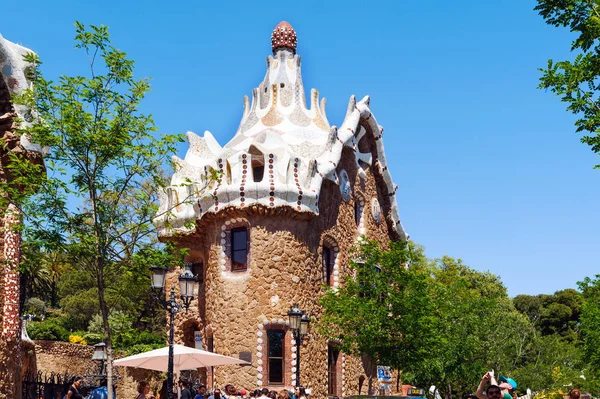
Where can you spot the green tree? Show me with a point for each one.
(553, 314)
(104, 167)
(440, 322)
(382, 309)
(479, 328)
(577, 82)
(590, 327)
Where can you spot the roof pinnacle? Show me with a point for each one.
(284, 36)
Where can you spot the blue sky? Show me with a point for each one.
(489, 168)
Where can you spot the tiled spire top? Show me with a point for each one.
(284, 36)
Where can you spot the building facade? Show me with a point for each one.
(12, 80)
(270, 218)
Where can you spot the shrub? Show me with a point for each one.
(140, 348)
(47, 330)
(93, 338)
(77, 339)
(36, 307)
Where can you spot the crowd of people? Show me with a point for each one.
(489, 388)
(229, 391)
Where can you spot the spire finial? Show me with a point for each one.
(284, 36)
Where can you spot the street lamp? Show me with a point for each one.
(100, 356)
(187, 282)
(299, 324)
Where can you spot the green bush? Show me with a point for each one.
(140, 348)
(47, 330)
(93, 338)
(36, 307)
(148, 338)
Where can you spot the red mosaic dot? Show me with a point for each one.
(245, 166)
(271, 199)
(272, 188)
(300, 192)
(243, 155)
(299, 208)
(242, 193)
(270, 161)
(299, 202)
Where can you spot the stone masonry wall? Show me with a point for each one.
(64, 357)
(236, 308)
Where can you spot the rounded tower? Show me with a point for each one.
(270, 218)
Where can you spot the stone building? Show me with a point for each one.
(12, 80)
(270, 218)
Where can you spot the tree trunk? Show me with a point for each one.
(107, 340)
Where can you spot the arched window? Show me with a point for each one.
(239, 249)
(327, 265)
(333, 370)
(276, 356)
(329, 253)
(359, 205)
(258, 164)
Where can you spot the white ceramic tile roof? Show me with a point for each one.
(295, 144)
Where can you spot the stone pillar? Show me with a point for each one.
(10, 334)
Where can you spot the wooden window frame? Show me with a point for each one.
(282, 358)
(333, 363)
(235, 266)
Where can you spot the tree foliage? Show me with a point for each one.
(577, 81)
(440, 322)
(98, 199)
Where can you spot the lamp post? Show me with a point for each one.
(299, 323)
(187, 282)
(100, 356)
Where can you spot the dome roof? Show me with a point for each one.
(279, 156)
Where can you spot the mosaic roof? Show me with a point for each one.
(280, 154)
(13, 72)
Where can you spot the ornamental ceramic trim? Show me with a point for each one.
(13, 70)
(376, 211)
(345, 188)
(225, 242)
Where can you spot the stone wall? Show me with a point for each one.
(11, 143)
(62, 357)
(73, 359)
(236, 308)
